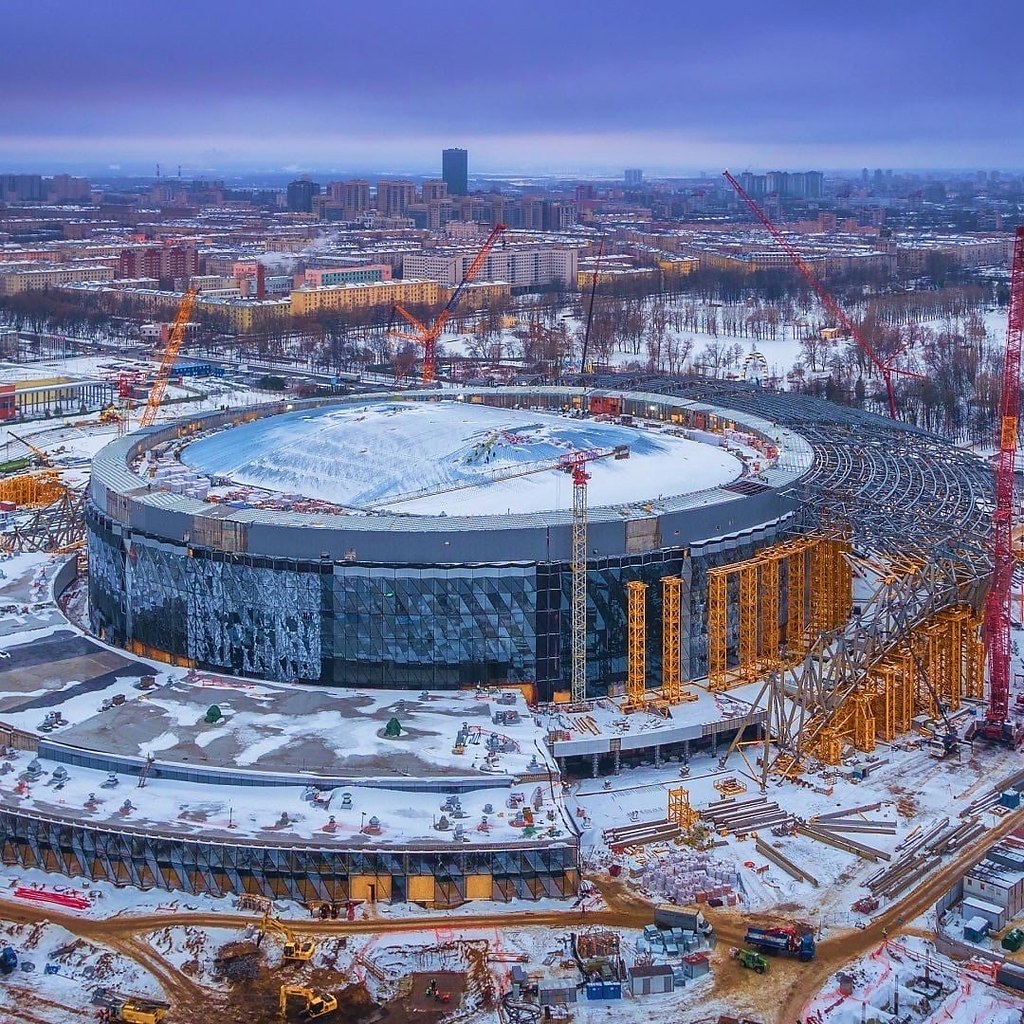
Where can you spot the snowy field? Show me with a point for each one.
(453, 459)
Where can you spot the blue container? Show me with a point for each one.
(1009, 798)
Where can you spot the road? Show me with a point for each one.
(791, 984)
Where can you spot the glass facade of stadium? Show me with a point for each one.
(442, 877)
(389, 626)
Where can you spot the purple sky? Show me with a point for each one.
(673, 86)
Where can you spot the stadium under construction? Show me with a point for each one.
(812, 576)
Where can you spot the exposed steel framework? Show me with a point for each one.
(171, 350)
(427, 336)
(997, 603)
(885, 369)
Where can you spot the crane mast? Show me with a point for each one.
(427, 336)
(997, 603)
(173, 347)
(885, 369)
(578, 568)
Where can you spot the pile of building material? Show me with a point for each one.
(743, 816)
(991, 797)
(779, 859)
(920, 852)
(624, 838)
(690, 877)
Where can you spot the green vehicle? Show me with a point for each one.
(1013, 940)
(748, 958)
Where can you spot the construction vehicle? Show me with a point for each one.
(129, 1009)
(294, 947)
(1013, 940)
(40, 456)
(997, 725)
(171, 350)
(668, 916)
(315, 1004)
(749, 959)
(427, 336)
(787, 941)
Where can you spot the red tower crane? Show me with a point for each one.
(427, 336)
(885, 369)
(997, 725)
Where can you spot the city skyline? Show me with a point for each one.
(673, 91)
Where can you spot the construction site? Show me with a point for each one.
(601, 695)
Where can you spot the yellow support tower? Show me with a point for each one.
(974, 659)
(717, 621)
(821, 580)
(636, 645)
(770, 642)
(748, 619)
(679, 810)
(671, 676)
(796, 583)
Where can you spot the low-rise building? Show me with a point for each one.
(14, 282)
(414, 291)
(522, 266)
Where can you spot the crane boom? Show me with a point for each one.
(171, 350)
(997, 603)
(38, 452)
(826, 299)
(427, 336)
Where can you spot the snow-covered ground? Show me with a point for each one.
(453, 458)
(891, 981)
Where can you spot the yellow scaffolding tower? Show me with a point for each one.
(770, 640)
(636, 645)
(717, 623)
(671, 676)
(679, 810)
(796, 611)
(748, 619)
(32, 490)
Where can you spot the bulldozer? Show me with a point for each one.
(294, 947)
(315, 1004)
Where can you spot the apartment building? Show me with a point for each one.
(521, 266)
(394, 197)
(306, 301)
(324, 277)
(13, 282)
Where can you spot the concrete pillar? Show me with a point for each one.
(593, 766)
(686, 750)
(617, 757)
(657, 756)
(714, 744)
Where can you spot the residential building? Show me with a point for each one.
(243, 316)
(634, 177)
(394, 196)
(455, 171)
(521, 266)
(306, 301)
(300, 195)
(352, 195)
(12, 282)
(324, 277)
(434, 189)
(159, 261)
(21, 188)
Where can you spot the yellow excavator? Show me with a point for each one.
(316, 1004)
(294, 947)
